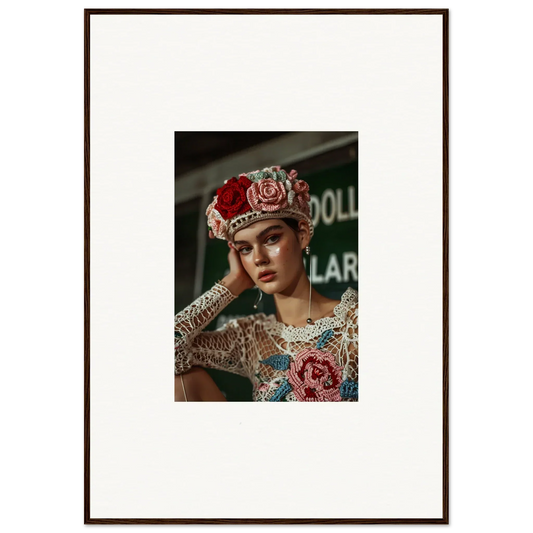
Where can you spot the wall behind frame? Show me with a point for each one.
(328, 161)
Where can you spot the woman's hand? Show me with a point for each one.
(238, 280)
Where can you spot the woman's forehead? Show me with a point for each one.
(253, 230)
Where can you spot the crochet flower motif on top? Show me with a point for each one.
(257, 195)
(267, 195)
(231, 198)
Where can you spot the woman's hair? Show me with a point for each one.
(292, 223)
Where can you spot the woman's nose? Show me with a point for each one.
(260, 258)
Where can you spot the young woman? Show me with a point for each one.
(308, 350)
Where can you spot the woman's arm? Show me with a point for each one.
(222, 349)
(196, 385)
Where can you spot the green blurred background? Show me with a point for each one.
(328, 161)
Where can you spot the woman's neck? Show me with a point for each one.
(292, 305)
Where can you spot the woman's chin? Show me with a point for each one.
(269, 287)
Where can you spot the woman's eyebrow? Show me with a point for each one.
(267, 230)
(260, 234)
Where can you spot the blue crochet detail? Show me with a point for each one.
(349, 389)
(278, 362)
(324, 338)
(282, 391)
(177, 334)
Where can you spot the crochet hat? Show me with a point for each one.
(258, 195)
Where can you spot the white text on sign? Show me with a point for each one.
(342, 271)
(330, 206)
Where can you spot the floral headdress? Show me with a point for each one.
(258, 195)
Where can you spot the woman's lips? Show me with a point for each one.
(267, 277)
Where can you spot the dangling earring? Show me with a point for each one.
(259, 297)
(308, 252)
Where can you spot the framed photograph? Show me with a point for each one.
(252, 179)
(246, 366)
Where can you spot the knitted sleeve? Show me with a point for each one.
(221, 349)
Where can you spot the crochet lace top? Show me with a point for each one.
(314, 363)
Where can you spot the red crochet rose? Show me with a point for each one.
(231, 199)
(315, 376)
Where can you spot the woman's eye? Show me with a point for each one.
(272, 239)
(244, 250)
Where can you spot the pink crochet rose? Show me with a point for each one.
(267, 195)
(211, 206)
(293, 174)
(301, 188)
(215, 221)
(315, 376)
(304, 206)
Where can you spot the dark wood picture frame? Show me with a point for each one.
(445, 280)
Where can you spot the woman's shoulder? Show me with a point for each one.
(348, 308)
(350, 295)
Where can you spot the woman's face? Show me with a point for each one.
(271, 254)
